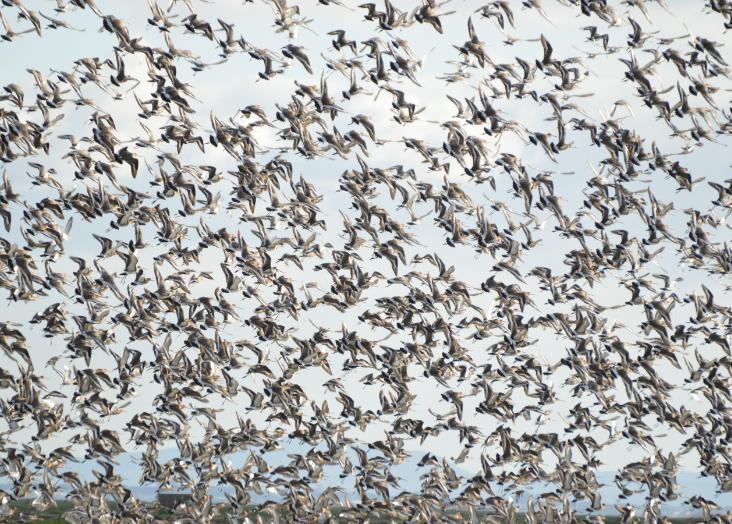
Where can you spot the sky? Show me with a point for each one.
(223, 89)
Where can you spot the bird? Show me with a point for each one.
(466, 277)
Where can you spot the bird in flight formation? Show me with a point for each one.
(417, 233)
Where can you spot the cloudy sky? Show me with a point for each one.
(223, 89)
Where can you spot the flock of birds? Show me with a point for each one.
(214, 304)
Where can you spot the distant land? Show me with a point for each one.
(690, 483)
